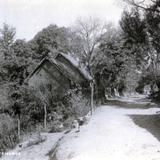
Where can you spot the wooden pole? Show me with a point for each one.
(19, 128)
(92, 92)
(45, 116)
(45, 110)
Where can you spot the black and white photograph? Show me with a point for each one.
(79, 79)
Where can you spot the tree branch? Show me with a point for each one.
(133, 3)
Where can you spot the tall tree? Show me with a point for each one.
(151, 17)
(90, 30)
(54, 38)
(134, 29)
(110, 60)
(135, 36)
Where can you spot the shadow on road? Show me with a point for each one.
(131, 105)
(149, 122)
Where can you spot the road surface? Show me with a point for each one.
(112, 134)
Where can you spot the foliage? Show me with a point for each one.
(55, 38)
(134, 29)
(135, 36)
(25, 104)
(152, 20)
(78, 104)
(150, 26)
(19, 99)
(110, 62)
(7, 35)
(8, 134)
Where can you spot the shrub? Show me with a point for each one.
(79, 104)
(8, 133)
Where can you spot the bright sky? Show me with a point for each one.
(30, 16)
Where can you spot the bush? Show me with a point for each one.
(71, 107)
(79, 104)
(24, 104)
(8, 133)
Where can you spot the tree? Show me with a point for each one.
(15, 56)
(14, 68)
(54, 38)
(135, 37)
(90, 31)
(112, 60)
(24, 106)
(150, 19)
(7, 35)
(24, 56)
(151, 6)
(134, 29)
(109, 62)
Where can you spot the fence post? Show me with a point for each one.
(45, 116)
(19, 128)
(92, 93)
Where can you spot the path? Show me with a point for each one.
(112, 135)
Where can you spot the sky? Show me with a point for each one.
(31, 16)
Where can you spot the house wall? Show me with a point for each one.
(48, 77)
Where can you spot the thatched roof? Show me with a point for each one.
(58, 61)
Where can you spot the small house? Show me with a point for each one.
(59, 73)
